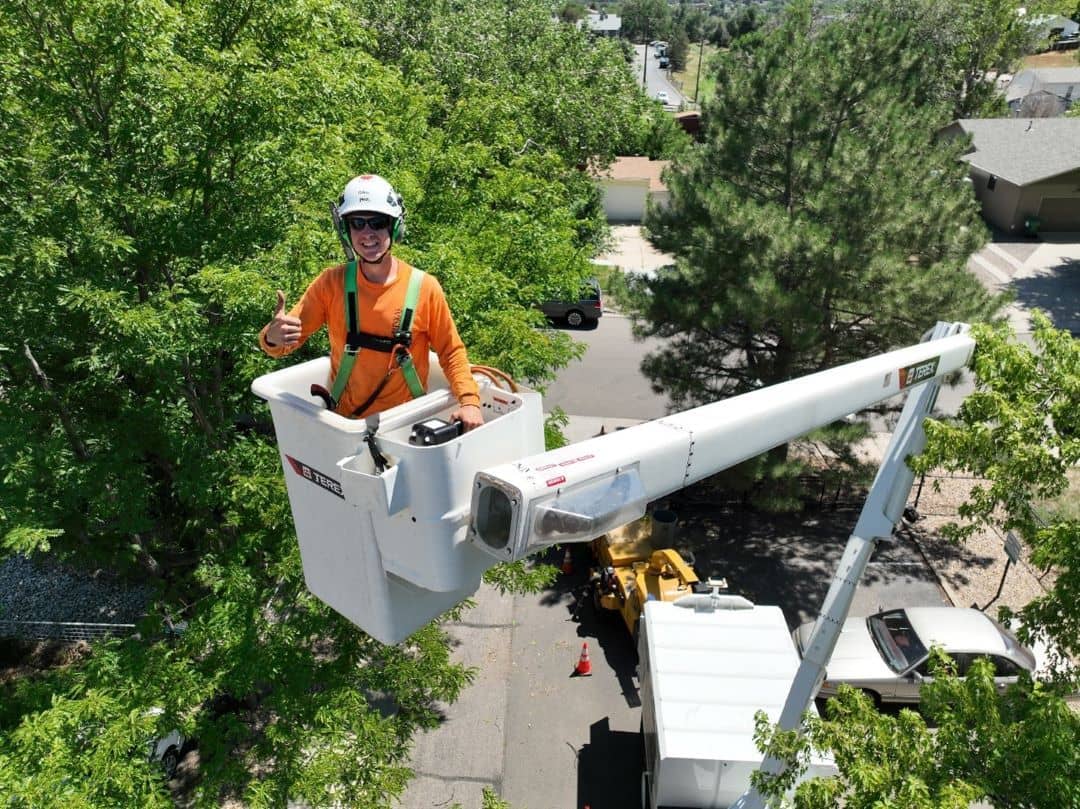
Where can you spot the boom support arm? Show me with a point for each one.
(575, 493)
(882, 510)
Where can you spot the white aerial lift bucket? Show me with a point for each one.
(389, 550)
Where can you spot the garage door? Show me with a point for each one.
(1060, 213)
(624, 203)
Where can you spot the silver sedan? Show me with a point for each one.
(888, 654)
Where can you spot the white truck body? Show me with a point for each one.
(703, 677)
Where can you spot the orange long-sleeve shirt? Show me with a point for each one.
(323, 302)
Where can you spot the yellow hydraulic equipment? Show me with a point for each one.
(631, 571)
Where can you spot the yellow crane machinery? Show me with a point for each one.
(631, 570)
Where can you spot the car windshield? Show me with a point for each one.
(897, 642)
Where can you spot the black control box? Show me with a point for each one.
(429, 432)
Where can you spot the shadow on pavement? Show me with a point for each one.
(609, 768)
(1056, 292)
(604, 630)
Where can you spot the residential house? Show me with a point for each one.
(1052, 25)
(1029, 88)
(602, 24)
(1025, 169)
(629, 185)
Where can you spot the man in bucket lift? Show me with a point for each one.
(382, 315)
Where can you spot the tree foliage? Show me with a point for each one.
(968, 743)
(645, 20)
(1019, 431)
(965, 40)
(820, 221)
(167, 166)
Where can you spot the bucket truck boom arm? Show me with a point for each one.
(575, 493)
(880, 513)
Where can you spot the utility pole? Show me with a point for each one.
(700, 59)
(645, 57)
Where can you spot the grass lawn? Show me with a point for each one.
(1067, 506)
(686, 80)
(1053, 59)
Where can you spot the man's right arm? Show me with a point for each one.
(289, 329)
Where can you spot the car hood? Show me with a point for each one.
(855, 656)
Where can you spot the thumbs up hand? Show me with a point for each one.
(284, 329)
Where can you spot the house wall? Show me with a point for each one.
(624, 200)
(1056, 201)
(1007, 206)
(998, 204)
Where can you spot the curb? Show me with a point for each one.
(950, 594)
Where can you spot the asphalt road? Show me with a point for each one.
(547, 740)
(607, 381)
(655, 78)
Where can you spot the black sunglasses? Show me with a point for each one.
(379, 221)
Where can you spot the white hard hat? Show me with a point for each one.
(370, 192)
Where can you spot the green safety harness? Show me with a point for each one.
(397, 345)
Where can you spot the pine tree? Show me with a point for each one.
(820, 222)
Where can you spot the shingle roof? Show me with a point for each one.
(1024, 150)
(1042, 78)
(639, 168)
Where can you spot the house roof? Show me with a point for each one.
(639, 168)
(1024, 150)
(1042, 78)
(1050, 21)
(603, 22)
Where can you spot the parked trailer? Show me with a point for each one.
(705, 671)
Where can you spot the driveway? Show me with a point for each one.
(1043, 274)
(632, 252)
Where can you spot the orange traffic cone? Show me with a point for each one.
(583, 667)
(567, 563)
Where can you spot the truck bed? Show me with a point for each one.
(703, 677)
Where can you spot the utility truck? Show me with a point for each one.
(394, 530)
(707, 665)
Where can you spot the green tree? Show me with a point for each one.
(692, 19)
(819, 222)
(1019, 431)
(573, 12)
(970, 744)
(963, 40)
(166, 167)
(678, 48)
(646, 20)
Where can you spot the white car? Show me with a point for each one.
(662, 96)
(887, 655)
(166, 749)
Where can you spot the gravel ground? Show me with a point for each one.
(42, 590)
(971, 573)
